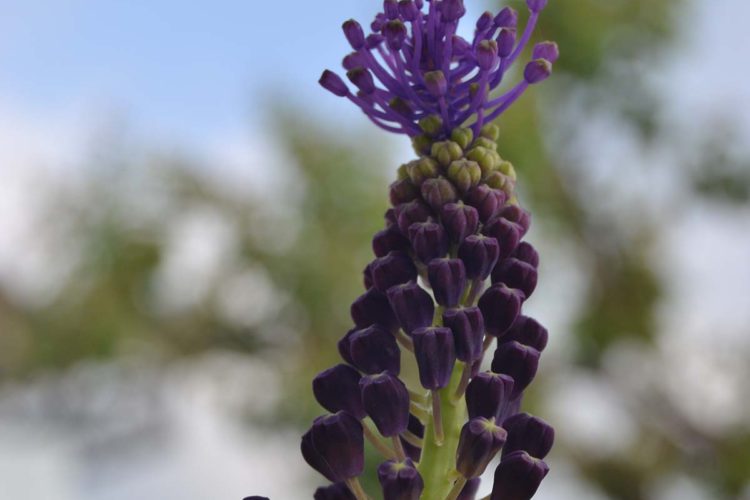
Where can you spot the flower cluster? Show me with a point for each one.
(450, 276)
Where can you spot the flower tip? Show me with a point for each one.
(436, 83)
(536, 5)
(362, 79)
(354, 34)
(546, 50)
(453, 10)
(333, 83)
(537, 71)
(507, 18)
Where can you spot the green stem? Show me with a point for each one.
(456, 490)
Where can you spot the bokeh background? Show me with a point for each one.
(185, 214)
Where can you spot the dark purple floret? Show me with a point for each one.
(435, 353)
(479, 254)
(388, 240)
(527, 253)
(546, 50)
(374, 350)
(517, 274)
(479, 442)
(459, 221)
(447, 279)
(438, 192)
(507, 234)
(400, 480)
(393, 269)
(372, 308)
(344, 347)
(530, 434)
(518, 477)
(337, 389)
(409, 213)
(337, 491)
(519, 361)
(429, 241)
(516, 214)
(470, 489)
(367, 276)
(334, 446)
(500, 307)
(386, 401)
(488, 394)
(412, 305)
(467, 326)
(402, 191)
(528, 332)
(486, 200)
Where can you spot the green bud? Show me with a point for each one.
(422, 144)
(509, 187)
(422, 169)
(465, 174)
(446, 152)
(490, 131)
(496, 180)
(403, 172)
(431, 125)
(486, 143)
(506, 168)
(484, 157)
(462, 137)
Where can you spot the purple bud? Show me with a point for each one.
(367, 276)
(452, 10)
(409, 213)
(527, 253)
(429, 241)
(517, 360)
(528, 332)
(374, 350)
(435, 353)
(486, 200)
(518, 477)
(395, 34)
(479, 442)
(437, 192)
(500, 306)
(470, 489)
(536, 5)
(507, 18)
(484, 21)
(343, 346)
(546, 50)
(461, 46)
(486, 54)
(390, 9)
(333, 83)
(436, 83)
(353, 60)
(334, 446)
(336, 491)
(400, 480)
(467, 326)
(537, 71)
(378, 23)
(386, 401)
(516, 214)
(507, 234)
(392, 269)
(389, 240)
(488, 394)
(505, 41)
(362, 78)
(337, 389)
(479, 254)
(448, 279)
(516, 274)
(408, 10)
(459, 220)
(412, 305)
(530, 434)
(390, 217)
(354, 34)
(402, 191)
(372, 308)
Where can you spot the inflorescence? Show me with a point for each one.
(451, 272)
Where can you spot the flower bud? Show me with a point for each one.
(446, 152)
(516, 214)
(516, 274)
(429, 241)
(334, 446)
(467, 326)
(412, 305)
(402, 191)
(386, 401)
(390, 218)
(486, 54)
(408, 10)
(343, 346)
(479, 442)
(537, 71)
(333, 83)
(479, 254)
(507, 18)
(462, 136)
(484, 21)
(372, 308)
(373, 41)
(536, 5)
(336, 491)
(461, 47)
(506, 40)
(393, 269)
(517, 360)
(518, 477)
(528, 331)
(437, 192)
(395, 34)
(464, 174)
(527, 253)
(390, 9)
(389, 240)
(423, 169)
(447, 279)
(486, 200)
(367, 276)
(488, 394)
(500, 306)
(505, 232)
(459, 221)
(452, 10)
(528, 433)
(374, 350)
(409, 213)
(362, 78)
(436, 83)
(337, 389)
(400, 480)
(546, 50)
(354, 34)
(435, 353)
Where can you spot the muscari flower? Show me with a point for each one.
(455, 227)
